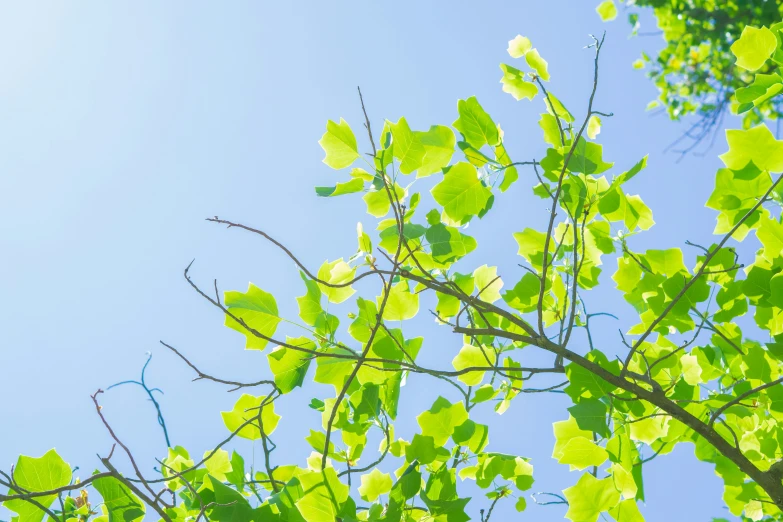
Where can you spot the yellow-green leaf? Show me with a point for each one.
(461, 193)
(607, 10)
(339, 143)
(754, 47)
(247, 408)
(401, 303)
(258, 310)
(519, 46)
(538, 64)
(375, 484)
(473, 357)
(336, 272)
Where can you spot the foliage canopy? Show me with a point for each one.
(686, 371)
(696, 71)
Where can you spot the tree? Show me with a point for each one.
(685, 372)
(695, 72)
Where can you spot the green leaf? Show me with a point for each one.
(650, 429)
(323, 495)
(441, 498)
(476, 157)
(588, 158)
(589, 497)
(473, 357)
(630, 173)
(408, 484)
(757, 145)
(594, 127)
(440, 420)
(237, 474)
(448, 244)
(548, 124)
(421, 449)
(258, 310)
(290, 366)
(627, 511)
(449, 305)
(310, 309)
(362, 174)
(564, 432)
(438, 144)
(558, 109)
(519, 46)
(491, 465)
(531, 246)
(228, 505)
(122, 505)
(581, 453)
(218, 465)
(365, 243)
(247, 408)
(366, 403)
(407, 147)
(44, 473)
(332, 370)
(754, 47)
(390, 236)
(365, 321)
(764, 87)
(668, 262)
(461, 193)
(317, 439)
(584, 383)
(401, 304)
(375, 484)
(178, 461)
(691, 370)
(538, 64)
(623, 479)
(524, 295)
(336, 272)
(349, 187)
(472, 435)
(377, 201)
(637, 214)
(339, 143)
(510, 174)
(475, 124)
(607, 10)
(514, 83)
(488, 283)
(590, 414)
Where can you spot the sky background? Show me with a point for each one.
(124, 124)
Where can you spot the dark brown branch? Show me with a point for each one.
(201, 375)
(290, 254)
(143, 496)
(98, 409)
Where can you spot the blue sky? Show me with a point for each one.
(124, 125)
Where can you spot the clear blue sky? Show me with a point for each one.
(124, 124)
